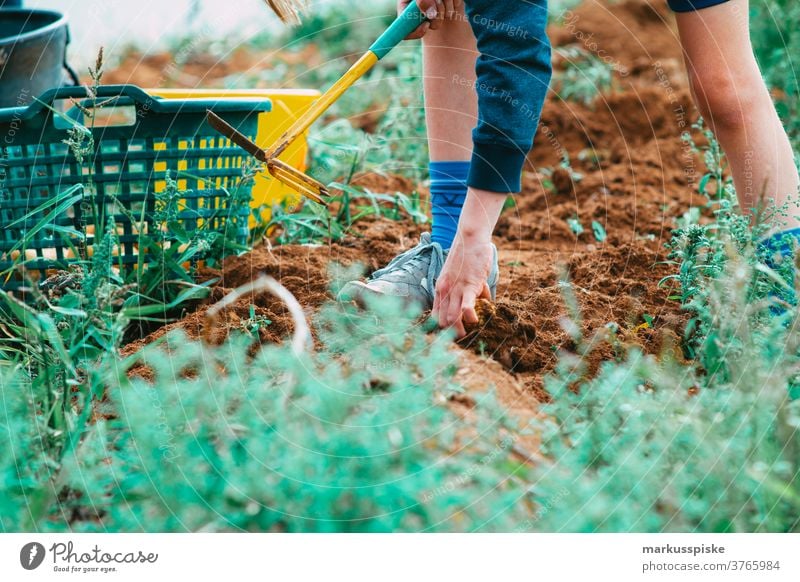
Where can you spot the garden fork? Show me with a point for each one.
(404, 24)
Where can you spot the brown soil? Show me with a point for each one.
(630, 172)
(634, 33)
(196, 68)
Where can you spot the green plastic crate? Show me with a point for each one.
(143, 140)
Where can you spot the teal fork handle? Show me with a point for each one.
(404, 24)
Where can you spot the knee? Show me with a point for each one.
(725, 99)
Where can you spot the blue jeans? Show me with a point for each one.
(513, 74)
(692, 5)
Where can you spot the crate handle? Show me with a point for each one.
(48, 98)
(143, 101)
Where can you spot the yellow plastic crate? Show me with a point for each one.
(287, 106)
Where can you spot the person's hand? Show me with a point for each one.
(435, 11)
(469, 262)
(462, 281)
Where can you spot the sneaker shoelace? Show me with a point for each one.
(407, 261)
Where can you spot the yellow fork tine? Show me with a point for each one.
(295, 179)
(310, 189)
(305, 178)
(294, 184)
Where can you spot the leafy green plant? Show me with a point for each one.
(402, 127)
(565, 165)
(777, 43)
(701, 249)
(314, 223)
(82, 312)
(661, 445)
(599, 231)
(355, 437)
(575, 225)
(583, 77)
(337, 30)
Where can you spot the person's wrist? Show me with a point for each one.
(479, 216)
(474, 234)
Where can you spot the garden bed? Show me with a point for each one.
(629, 172)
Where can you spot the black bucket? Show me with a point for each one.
(33, 50)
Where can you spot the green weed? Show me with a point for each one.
(777, 43)
(314, 223)
(659, 445)
(357, 436)
(583, 77)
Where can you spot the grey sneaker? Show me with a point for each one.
(411, 275)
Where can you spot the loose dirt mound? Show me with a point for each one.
(630, 175)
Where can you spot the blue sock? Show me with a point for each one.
(448, 192)
(777, 252)
(780, 245)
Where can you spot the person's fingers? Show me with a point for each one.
(458, 325)
(453, 316)
(420, 32)
(468, 314)
(449, 9)
(429, 9)
(449, 312)
(486, 293)
(441, 10)
(433, 11)
(435, 14)
(441, 312)
(440, 296)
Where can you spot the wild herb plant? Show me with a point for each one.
(339, 151)
(776, 41)
(402, 128)
(660, 445)
(314, 223)
(583, 77)
(700, 249)
(357, 436)
(73, 317)
(708, 444)
(336, 29)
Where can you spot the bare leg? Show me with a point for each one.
(734, 100)
(451, 111)
(451, 104)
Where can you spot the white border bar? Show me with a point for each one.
(407, 557)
